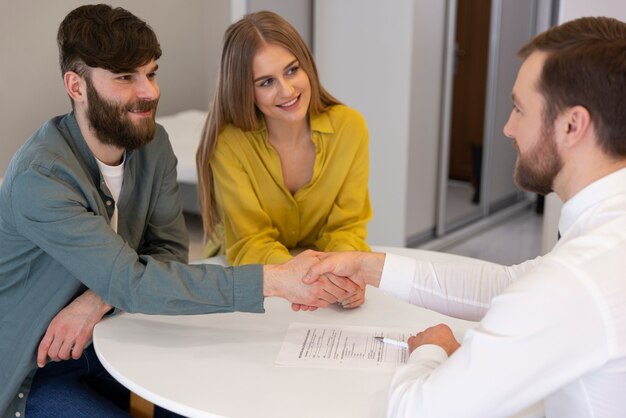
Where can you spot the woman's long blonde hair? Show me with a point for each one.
(233, 102)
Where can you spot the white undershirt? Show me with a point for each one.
(551, 329)
(114, 178)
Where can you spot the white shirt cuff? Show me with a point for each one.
(397, 277)
(430, 352)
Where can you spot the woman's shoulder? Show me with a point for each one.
(230, 131)
(237, 143)
(341, 112)
(345, 119)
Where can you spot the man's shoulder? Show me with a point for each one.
(47, 145)
(158, 150)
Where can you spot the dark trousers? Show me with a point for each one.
(80, 388)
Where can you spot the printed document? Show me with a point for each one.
(341, 346)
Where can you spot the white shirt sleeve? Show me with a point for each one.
(516, 356)
(462, 290)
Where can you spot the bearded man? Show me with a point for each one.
(552, 329)
(91, 218)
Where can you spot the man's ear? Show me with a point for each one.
(576, 125)
(75, 86)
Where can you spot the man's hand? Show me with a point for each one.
(440, 335)
(72, 328)
(285, 280)
(360, 267)
(354, 300)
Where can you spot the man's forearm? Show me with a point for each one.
(90, 298)
(371, 267)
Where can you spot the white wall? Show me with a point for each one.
(296, 12)
(569, 10)
(190, 34)
(426, 100)
(363, 50)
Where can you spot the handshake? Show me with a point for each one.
(314, 279)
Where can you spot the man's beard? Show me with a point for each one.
(111, 124)
(536, 171)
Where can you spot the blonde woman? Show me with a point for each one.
(282, 165)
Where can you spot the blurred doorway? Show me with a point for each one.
(476, 161)
(468, 108)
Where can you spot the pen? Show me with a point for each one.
(392, 342)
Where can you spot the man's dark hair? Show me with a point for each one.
(100, 36)
(586, 66)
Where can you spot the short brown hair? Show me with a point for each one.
(586, 66)
(98, 35)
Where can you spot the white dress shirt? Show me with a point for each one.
(551, 329)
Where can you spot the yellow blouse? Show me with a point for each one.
(263, 220)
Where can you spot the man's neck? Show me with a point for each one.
(575, 177)
(108, 154)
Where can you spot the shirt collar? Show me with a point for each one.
(319, 123)
(599, 190)
(77, 142)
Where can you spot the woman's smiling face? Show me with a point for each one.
(282, 90)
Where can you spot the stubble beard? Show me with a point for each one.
(536, 171)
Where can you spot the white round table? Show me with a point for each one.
(223, 365)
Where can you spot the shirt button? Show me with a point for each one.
(18, 414)
(20, 395)
(109, 203)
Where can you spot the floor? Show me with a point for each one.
(459, 200)
(512, 241)
(515, 240)
(194, 226)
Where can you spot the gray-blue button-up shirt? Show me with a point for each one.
(55, 241)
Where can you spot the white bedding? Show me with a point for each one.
(185, 131)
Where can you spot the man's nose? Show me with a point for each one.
(508, 127)
(147, 89)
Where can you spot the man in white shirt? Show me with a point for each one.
(553, 328)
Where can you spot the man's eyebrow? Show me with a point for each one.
(268, 76)
(136, 70)
(516, 100)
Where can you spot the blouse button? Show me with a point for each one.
(20, 395)
(109, 203)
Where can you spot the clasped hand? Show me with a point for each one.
(325, 289)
